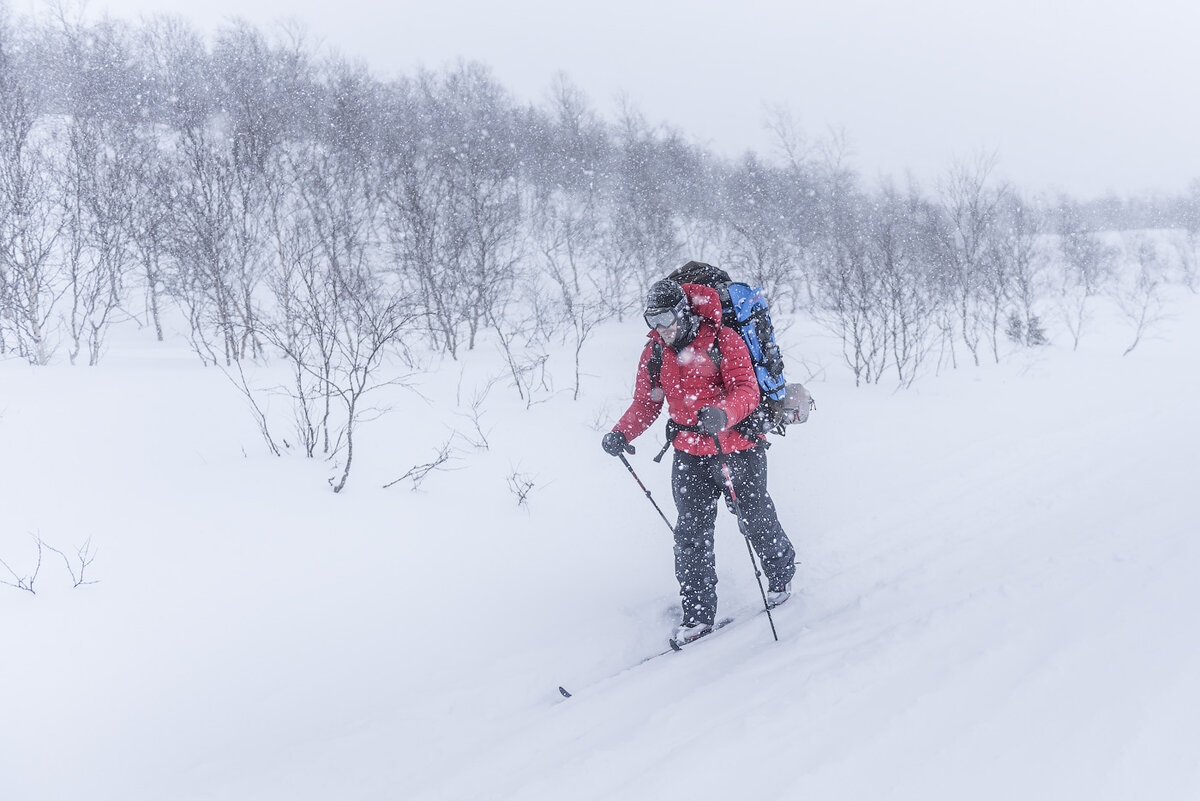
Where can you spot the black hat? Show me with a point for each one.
(664, 294)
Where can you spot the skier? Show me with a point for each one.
(708, 382)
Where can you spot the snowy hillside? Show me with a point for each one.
(997, 598)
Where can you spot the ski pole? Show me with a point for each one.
(650, 497)
(737, 512)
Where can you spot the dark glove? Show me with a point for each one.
(711, 421)
(614, 442)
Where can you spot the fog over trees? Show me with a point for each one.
(295, 208)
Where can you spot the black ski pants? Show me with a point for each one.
(697, 482)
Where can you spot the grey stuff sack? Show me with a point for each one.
(797, 403)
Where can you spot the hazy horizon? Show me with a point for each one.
(1088, 99)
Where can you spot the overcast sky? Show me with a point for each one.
(1087, 96)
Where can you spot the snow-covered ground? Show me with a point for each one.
(998, 591)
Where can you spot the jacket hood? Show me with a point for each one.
(705, 301)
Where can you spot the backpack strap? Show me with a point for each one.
(654, 368)
(750, 426)
(673, 428)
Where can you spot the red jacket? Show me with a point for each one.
(690, 380)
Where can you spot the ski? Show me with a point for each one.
(720, 624)
(677, 647)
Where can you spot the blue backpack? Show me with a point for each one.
(744, 309)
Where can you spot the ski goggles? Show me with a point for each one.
(663, 318)
(659, 318)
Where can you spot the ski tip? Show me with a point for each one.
(564, 692)
(674, 645)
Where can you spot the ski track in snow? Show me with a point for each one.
(996, 596)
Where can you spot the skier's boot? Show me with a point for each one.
(778, 597)
(690, 632)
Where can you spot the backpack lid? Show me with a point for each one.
(697, 272)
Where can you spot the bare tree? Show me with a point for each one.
(566, 233)
(808, 167)
(849, 290)
(204, 243)
(1023, 229)
(200, 271)
(299, 322)
(898, 254)
(1188, 248)
(975, 268)
(1086, 268)
(268, 94)
(78, 567)
(851, 299)
(342, 333)
(641, 237)
(323, 214)
(30, 222)
(760, 246)
(427, 248)
(150, 228)
(418, 473)
(521, 485)
(25, 580)
(100, 179)
(97, 211)
(372, 321)
(485, 196)
(1140, 299)
(102, 158)
(1187, 251)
